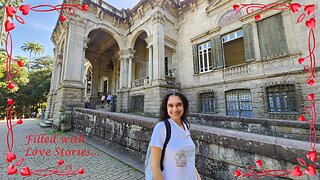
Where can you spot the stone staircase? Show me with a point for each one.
(46, 123)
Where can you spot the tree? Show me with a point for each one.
(34, 95)
(20, 79)
(32, 47)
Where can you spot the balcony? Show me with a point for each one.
(236, 71)
(140, 82)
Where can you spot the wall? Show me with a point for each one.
(219, 151)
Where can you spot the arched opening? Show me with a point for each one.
(102, 55)
(140, 61)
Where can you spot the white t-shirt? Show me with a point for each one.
(179, 158)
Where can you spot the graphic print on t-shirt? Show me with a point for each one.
(183, 156)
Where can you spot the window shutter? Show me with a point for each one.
(272, 39)
(212, 53)
(195, 59)
(217, 51)
(248, 42)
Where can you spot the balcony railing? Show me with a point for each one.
(140, 82)
(236, 71)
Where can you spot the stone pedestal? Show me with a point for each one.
(70, 94)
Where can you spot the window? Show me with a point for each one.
(204, 57)
(207, 103)
(272, 43)
(282, 99)
(105, 86)
(137, 104)
(238, 103)
(166, 66)
(233, 48)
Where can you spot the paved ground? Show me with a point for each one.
(98, 165)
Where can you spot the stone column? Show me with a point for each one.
(70, 93)
(158, 46)
(74, 52)
(150, 64)
(130, 56)
(130, 72)
(150, 68)
(123, 69)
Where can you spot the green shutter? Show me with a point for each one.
(212, 53)
(272, 39)
(248, 42)
(218, 52)
(195, 59)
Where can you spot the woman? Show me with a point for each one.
(179, 158)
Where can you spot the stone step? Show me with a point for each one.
(49, 122)
(44, 125)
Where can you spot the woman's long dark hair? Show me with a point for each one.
(164, 111)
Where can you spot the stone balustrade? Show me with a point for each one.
(140, 82)
(236, 71)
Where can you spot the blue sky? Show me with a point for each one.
(38, 26)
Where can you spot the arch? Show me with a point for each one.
(133, 39)
(108, 30)
(223, 13)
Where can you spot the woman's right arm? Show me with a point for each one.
(155, 163)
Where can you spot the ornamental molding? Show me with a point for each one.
(205, 34)
(158, 17)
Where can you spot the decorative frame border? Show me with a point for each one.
(308, 110)
(11, 12)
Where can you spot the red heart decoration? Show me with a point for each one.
(257, 17)
(12, 170)
(311, 96)
(10, 156)
(9, 25)
(259, 163)
(312, 155)
(237, 173)
(301, 118)
(301, 60)
(311, 170)
(81, 171)
(25, 171)
(10, 101)
(296, 171)
(63, 18)
(309, 9)
(84, 7)
(311, 82)
(60, 162)
(19, 121)
(20, 63)
(10, 85)
(311, 23)
(236, 7)
(295, 7)
(10, 11)
(25, 9)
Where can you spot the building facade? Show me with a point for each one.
(224, 61)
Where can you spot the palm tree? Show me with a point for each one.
(32, 47)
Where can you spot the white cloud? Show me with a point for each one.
(38, 26)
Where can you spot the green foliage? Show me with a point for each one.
(34, 95)
(21, 79)
(65, 115)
